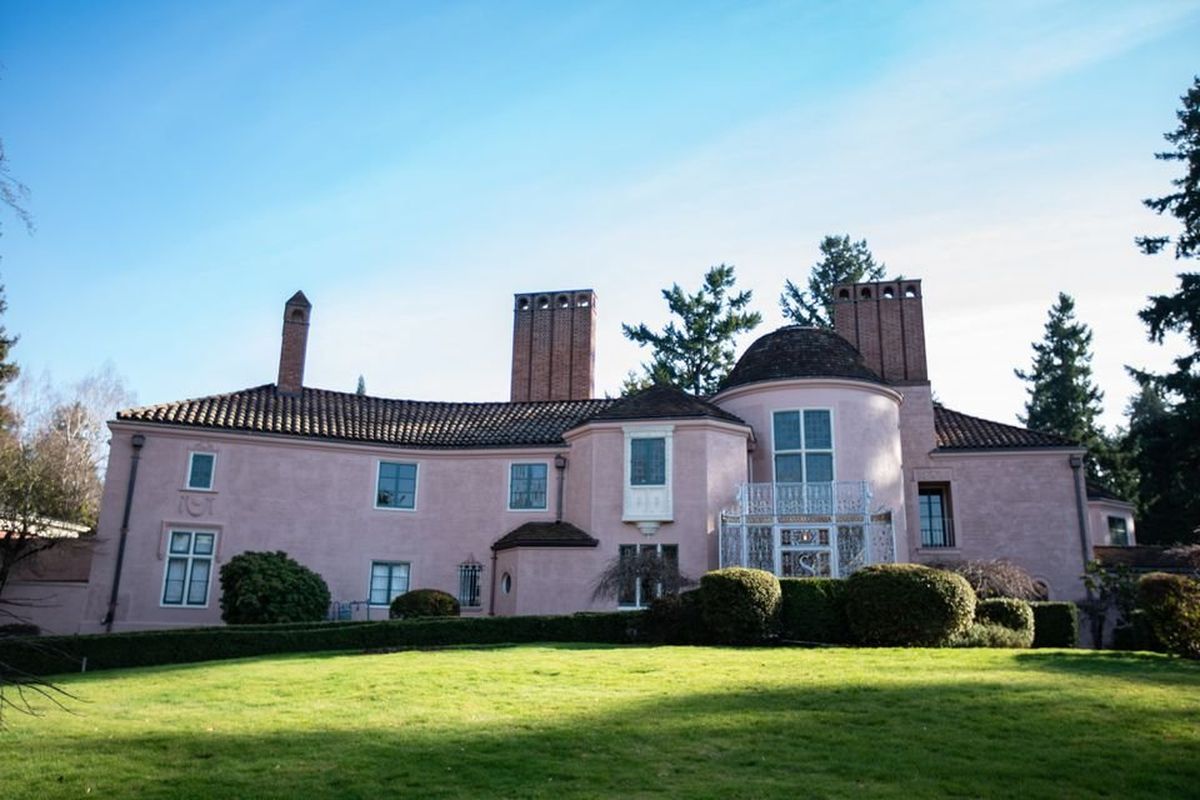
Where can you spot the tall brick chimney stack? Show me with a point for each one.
(295, 342)
(554, 345)
(886, 322)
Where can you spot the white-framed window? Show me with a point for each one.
(396, 485)
(648, 465)
(468, 585)
(640, 564)
(188, 571)
(802, 440)
(527, 486)
(389, 580)
(648, 461)
(202, 468)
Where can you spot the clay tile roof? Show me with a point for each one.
(323, 414)
(958, 431)
(799, 352)
(663, 402)
(545, 534)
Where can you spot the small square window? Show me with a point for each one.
(396, 486)
(200, 470)
(527, 487)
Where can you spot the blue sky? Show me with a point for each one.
(410, 166)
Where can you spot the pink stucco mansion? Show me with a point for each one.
(823, 451)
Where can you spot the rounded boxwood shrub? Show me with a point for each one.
(739, 605)
(1171, 604)
(907, 605)
(424, 603)
(268, 588)
(1016, 615)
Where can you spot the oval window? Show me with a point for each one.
(506, 583)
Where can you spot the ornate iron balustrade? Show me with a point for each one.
(835, 498)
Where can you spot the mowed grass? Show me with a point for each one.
(582, 721)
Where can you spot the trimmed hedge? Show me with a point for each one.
(675, 619)
(1016, 615)
(264, 588)
(421, 603)
(1171, 604)
(1137, 635)
(51, 655)
(908, 605)
(991, 634)
(739, 605)
(1055, 624)
(814, 610)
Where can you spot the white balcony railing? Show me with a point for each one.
(834, 498)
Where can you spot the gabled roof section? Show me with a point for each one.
(663, 402)
(321, 414)
(796, 351)
(1096, 491)
(957, 431)
(545, 534)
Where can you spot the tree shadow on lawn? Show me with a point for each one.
(1155, 668)
(976, 739)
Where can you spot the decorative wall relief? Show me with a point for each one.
(195, 505)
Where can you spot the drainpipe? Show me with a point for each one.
(492, 594)
(137, 441)
(1081, 507)
(560, 465)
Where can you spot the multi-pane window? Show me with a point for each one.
(933, 504)
(527, 486)
(397, 485)
(200, 470)
(389, 579)
(1118, 531)
(803, 443)
(643, 569)
(648, 461)
(189, 568)
(468, 584)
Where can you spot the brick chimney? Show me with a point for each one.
(554, 345)
(886, 322)
(296, 312)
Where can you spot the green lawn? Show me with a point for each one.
(582, 721)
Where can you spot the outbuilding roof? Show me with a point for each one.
(545, 534)
(957, 431)
(796, 351)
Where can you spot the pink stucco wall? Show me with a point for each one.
(315, 500)
(1018, 505)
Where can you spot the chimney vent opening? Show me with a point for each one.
(889, 292)
(563, 301)
(543, 302)
(910, 291)
(866, 293)
(582, 301)
(523, 304)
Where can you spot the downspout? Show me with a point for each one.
(560, 465)
(492, 593)
(137, 440)
(1081, 507)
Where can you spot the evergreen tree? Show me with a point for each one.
(696, 352)
(1062, 397)
(361, 388)
(8, 370)
(1170, 503)
(842, 261)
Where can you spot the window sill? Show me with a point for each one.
(952, 549)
